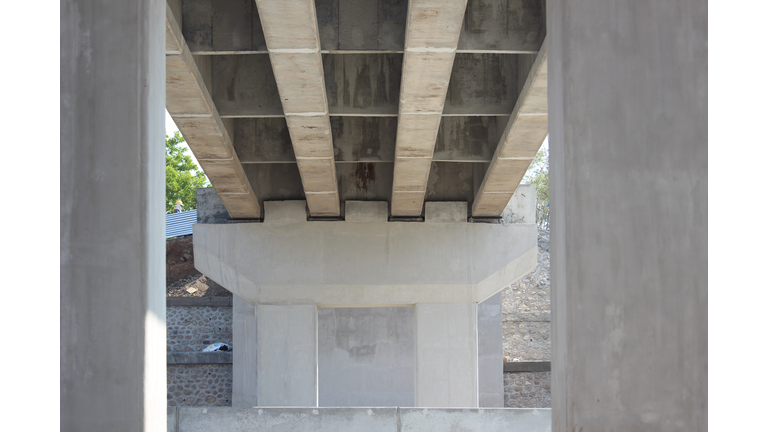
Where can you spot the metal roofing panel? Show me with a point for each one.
(179, 224)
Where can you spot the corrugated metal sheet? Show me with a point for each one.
(179, 224)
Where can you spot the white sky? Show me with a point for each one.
(170, 128)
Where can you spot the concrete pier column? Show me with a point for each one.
(112, 188)
(243, 354)
(628, 184)
(287, 355)
(446, 355)
(490, 352)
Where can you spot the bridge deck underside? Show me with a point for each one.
(362, 47)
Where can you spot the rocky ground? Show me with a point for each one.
(182, 278)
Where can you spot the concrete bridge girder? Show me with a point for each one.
(335, 100)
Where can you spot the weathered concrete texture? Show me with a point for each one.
(263, 140)
(503, 25)
(222, 25)
(402, 264)
(235, 92)
(521, 140)
(454, 181)
(494, 94)
(171, 425)
(521, 207)
(189, 102)
(244, 359)
(365, 356)
(287, 419)
(445, 212)
(112, 253)
(366, 211)
(210, 209)
(362, 24)
(286, 373)
(432, 33)
(471, 420)
(365, 181)
(363, 84)
(366, 25)
(364, 139)
(446, 355)
(291, 33)
(468, 138)
(359, 419)
(628, 187)
(490, 363)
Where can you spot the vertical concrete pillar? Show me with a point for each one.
(112, 189)
(243, 354)
(446, 355)
(490, 352)
(287, 355)
(628, 167)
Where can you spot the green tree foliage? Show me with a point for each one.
(538, 174)
(182, 175)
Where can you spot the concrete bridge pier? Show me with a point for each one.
(285, 370)
(404, 297)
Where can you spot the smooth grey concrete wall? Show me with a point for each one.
(474, 420)
(189, 419)
(286, 419)
(446, 355)
(286, 372)
(365, 356)
(628, 168)
(243, 353)
(490, 352)
(288, 259)
(112, 303)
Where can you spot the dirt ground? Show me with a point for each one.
(181, 277)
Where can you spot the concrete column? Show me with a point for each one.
(243, 354)
(446, 355)
(490, 352)
(287, 355)
(628, 154)
(112, 187)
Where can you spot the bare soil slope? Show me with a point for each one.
(181, 277)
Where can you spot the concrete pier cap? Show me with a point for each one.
(366, 260)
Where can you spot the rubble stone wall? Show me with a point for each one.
(191, 329)
(200, 385)
(526, 324)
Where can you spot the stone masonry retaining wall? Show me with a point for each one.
(190, 329)
(200, 385)
(526, 326)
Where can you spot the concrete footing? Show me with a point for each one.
(368, 419)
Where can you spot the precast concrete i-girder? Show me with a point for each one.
(335, 100)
